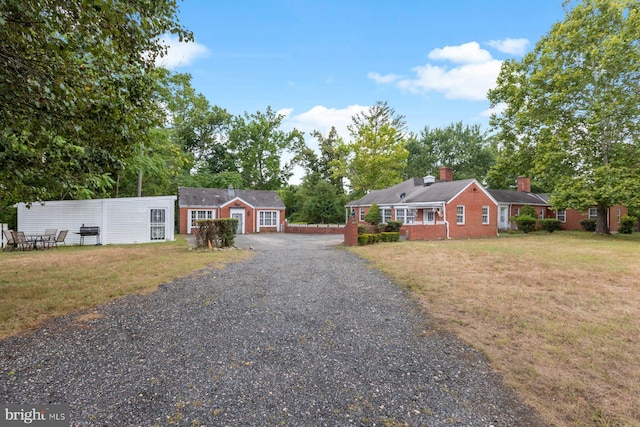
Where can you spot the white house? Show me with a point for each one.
(121, 220)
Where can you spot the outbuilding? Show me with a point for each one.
(119, 220)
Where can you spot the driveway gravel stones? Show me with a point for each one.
(303, 334)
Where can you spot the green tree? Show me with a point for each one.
(465, 149)
(376, 156)
(77, 91)
(259, 145)
(572, 111)
(323, 204)
(373, 215)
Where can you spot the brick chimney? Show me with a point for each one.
(524, 184)
(446, 174)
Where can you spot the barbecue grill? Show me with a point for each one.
(89, 231)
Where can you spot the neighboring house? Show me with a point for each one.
(511, 203)
(434, 209)
(257, 211)
(121, 220)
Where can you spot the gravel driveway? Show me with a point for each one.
(303, 334)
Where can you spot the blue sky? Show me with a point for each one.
(320, 62)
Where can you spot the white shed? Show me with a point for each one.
(121, 220)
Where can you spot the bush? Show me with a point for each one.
(526, 223)
(550, 224)
(528, 211)
(373, 215)
(588, 224)
(627, 224)
(393, 226)
(219, 233)
(363, 239)
(390, 236)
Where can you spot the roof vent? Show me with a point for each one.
(428, 180)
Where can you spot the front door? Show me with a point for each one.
(503, 222)
(239, 215)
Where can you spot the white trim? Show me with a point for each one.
(190, 226)
(243, 214)
(277, 219)
(236, 199)
(464, 216)
(488, 222)
(474, 181)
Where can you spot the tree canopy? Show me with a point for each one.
(464, 148)
(572, 108)
(376, 156)
(76, 84)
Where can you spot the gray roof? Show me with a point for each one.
(519, 197)
(216, 197)
(414, 192)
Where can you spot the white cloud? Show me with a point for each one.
(180, 53)
(510, 46)
(379, 78)
(472, 72)
(495, 110)
(467, 53)
(321, 118)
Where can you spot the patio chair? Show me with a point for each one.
(11, 244)
(48, 237)
(60, 239)
(21, 241)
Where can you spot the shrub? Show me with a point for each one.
(393, 226)
(588, 224)
(550, 224)
(373, 215)
(627, 224)
(361, 229)
(363, 239)
(526, 223)
(390, 236)
(528, 211)
(219, 233)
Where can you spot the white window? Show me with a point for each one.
(485, 214)
(516, 212)
(385, 215)
(407, 216)
(593, 213)
(619, 215)
(158, 224)
(361, 214)
(197, 215)
(429, 217)
(268, 218)
(460, 215)
(561, 215)
(541, 215)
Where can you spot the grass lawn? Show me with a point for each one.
(557, 314)
(38, 285)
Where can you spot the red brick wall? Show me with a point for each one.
(351, 233)
(472, 198)
(313, 229)
(424, 232)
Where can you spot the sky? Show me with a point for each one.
(320, 62)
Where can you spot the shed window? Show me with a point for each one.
(158, 224)
(593, 213)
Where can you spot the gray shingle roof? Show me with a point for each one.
(415, 192)
(215, 197)
(519, 197)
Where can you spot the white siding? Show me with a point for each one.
(122, 220)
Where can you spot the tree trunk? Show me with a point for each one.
(602, 223)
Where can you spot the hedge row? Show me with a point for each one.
(368, 238)
(219, 233)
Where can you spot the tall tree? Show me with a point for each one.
(76, 84)
(375, 157)
(464, 148)
(573, 108)
(259, 146)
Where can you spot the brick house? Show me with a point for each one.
(434, 209)
(257, 211)
(510, 204)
